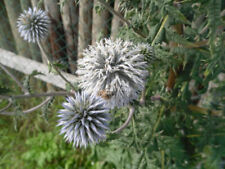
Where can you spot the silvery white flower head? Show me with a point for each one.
(114, 70)
(33, 24)
(84, 119)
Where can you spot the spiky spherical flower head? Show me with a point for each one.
(33, 24)
(84, 119)
(148, 52)
(114, 70)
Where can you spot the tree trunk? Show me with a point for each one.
(67, 24)
(35, 52)
(6, 36)
(56, 30)
(100, 23)
(75, 22)
(13, 12)
(85, 24)
(116, 22)
(45, 42)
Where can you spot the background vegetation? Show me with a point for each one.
(180, 126)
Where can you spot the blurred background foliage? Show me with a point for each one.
(181, 125)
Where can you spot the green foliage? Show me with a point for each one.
(182, 129)
(178, 137)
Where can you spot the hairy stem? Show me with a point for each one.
(124, 125)
(6, 107)
(56, 68)
(14, 78)
(152, 134)
(28, 110)
(135, 135)
(162, 159)
(27, 96)
(160, 30)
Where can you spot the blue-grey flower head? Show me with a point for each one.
(33, 24)
(84, 119)
(114, 70)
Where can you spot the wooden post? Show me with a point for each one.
(13, 11)
(27, 66)
(116, 22)
(6, 40)
(85, 25)
(67, 24)
(100, 27)
(56, 34)
(74, 11)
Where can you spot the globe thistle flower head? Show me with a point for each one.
(33, 24)
(84, 119)
(114, 70)
(147, 51)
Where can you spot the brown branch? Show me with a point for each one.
(171, 80)
(124, 125)
(172, 74)
(27, 96)
(29, 110)
(205, 111)
(14, 78)
(120, 16)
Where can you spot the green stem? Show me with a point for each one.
(160, 30)
(157, 123)
(152, 134)
(125, 124)
(162, 159)
(55, 67)
(135, 135)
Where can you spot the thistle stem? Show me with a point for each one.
(6, 107)
(27, 96)
(162, 159)
(160, 30)
(14, 78)
(56, 69)
(124, 125)
(135, 135)
(28, 110)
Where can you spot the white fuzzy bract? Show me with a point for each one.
(84, 119)
(115, 70)
(33, 24)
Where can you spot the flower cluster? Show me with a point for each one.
(112, 74)
(115, 70)
(33, 24)
(84, 119)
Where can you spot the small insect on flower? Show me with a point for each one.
(84, 119)
(33, 24)
(105, 94)
(115, 70)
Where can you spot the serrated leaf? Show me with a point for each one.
(177, 14)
